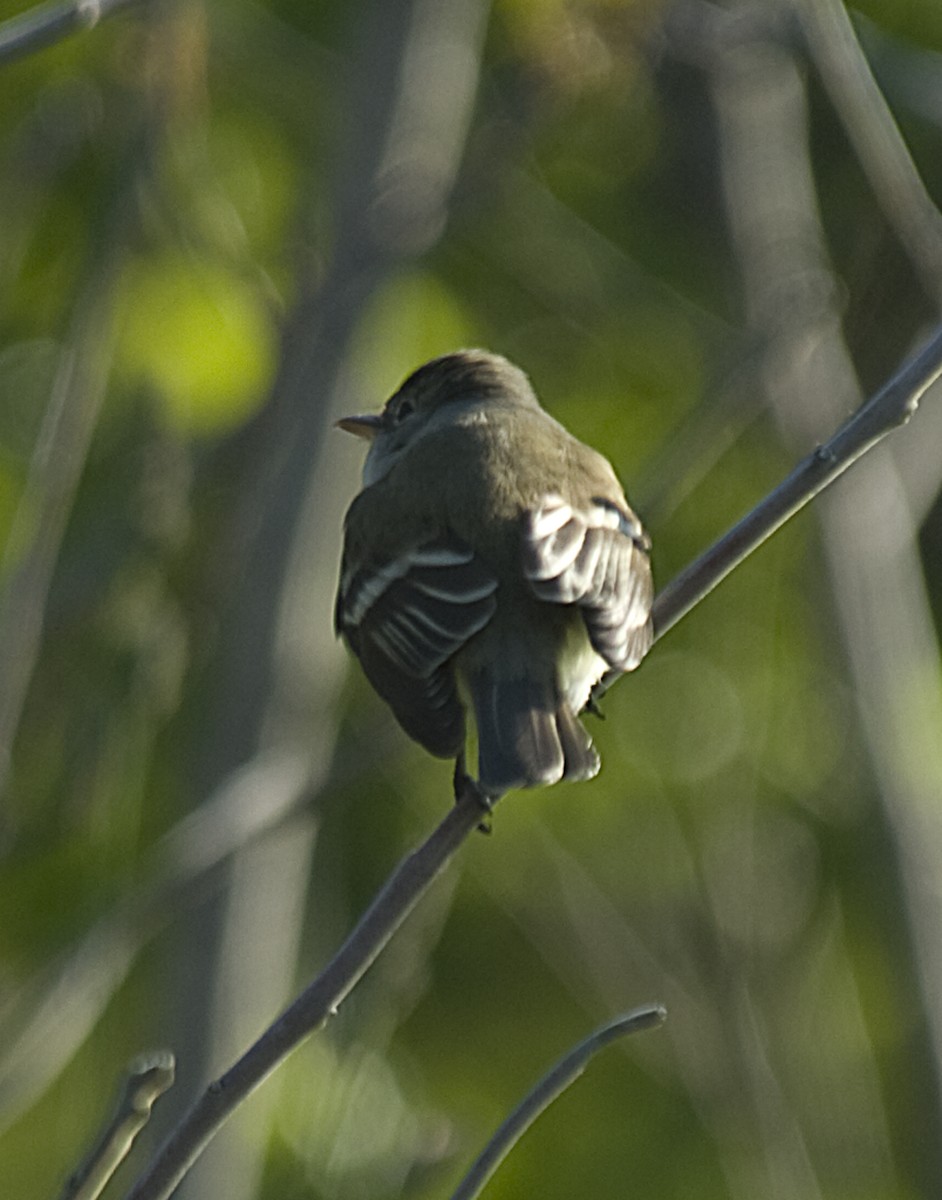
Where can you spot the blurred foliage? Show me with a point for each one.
(195, 279)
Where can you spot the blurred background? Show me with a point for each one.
(707, 232)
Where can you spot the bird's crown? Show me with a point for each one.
(461, 375)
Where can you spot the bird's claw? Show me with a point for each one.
(465, 784)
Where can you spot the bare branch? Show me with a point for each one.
(890, 408)
(875, 136)
(552, 1085)
(148, 1078)
(27, 566)
(47, 24)
(869, 538)
(315, 1005)
(58, 458)
(51, 1018)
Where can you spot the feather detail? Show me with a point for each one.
(405, 619)
(527, 734)
(596, 558)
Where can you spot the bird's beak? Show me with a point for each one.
(366, 426)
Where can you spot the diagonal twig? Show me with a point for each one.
(47, 24)
(879, 144)
(148, 1078)
(318, 1002)
(888, 409)
(548, 1089)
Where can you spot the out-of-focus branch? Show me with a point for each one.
(891, 407)
(41, 515)
(48, 1018)
(315, 1005)
(147, 1080)
(416, 872)
(47, 24)
(303, 370)
(875, 136)
(57, 461)
(868, 534)
(52, 1018)
(410, 86)
(548, 1089)
(401, 153)
(250, 798)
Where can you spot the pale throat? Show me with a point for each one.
(389, 446)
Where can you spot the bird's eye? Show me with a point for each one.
(405, 409)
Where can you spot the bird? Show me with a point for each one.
(490, 563)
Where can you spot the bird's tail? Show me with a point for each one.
(527, 734)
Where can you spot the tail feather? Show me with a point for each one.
(527, 735)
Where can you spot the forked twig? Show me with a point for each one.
(148, 1078)
(889, 408)
(319, 1001)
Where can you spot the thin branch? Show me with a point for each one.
(43, 1023)
(47, 24)
(406, 129)
(39, 523)
(315, 1005)
(148, 1078)
(881, 150)
(889, 408)
(50, 1019)
(869, 536)
(552, 1085)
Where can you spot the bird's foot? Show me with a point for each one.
(465, 784)
(592, 706)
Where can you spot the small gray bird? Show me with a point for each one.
(490, 556)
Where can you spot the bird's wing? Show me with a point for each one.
(404, 619)
(596, 558)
